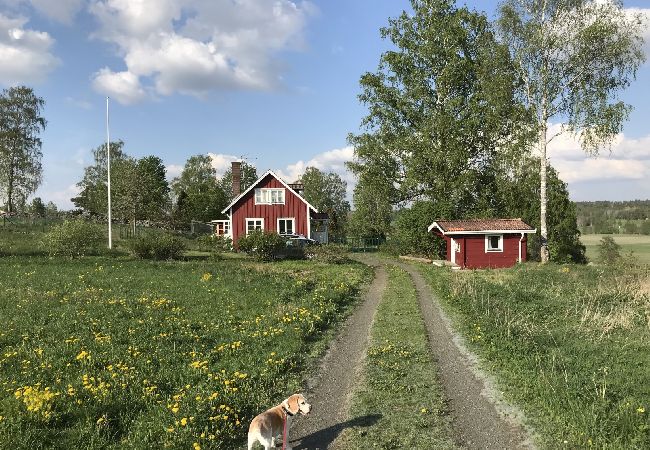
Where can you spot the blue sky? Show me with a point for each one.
(273, 81)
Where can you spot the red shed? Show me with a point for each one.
(269, 204)
(483, 243)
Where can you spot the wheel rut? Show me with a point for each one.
(330, 393)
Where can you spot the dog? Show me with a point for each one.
(268, 427)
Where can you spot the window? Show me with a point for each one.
(222, 227)
(286, 226)
(494, 243)
(269, 196)
(254, 224)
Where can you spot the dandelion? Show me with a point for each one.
(206, 277)
(83, 354)
(424, 410)
(184, 421)
(640, 410)
(196, 446)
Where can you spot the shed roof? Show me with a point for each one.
(482, 226)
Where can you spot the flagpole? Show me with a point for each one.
(108, 159)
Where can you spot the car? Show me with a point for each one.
(300, 241)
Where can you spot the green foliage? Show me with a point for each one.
(609, 250)
(262, 245)
(328, 253)
(20, 145)
(197, 192)
(327, 192)
(37, 208)
(411, 235)
(74, 238)
(373, 196)
(157, 245)
(213, 243)
(442, 116)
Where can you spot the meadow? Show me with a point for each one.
(105, 352)
(568, 344)
(638, 244)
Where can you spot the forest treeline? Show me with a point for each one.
(620, 217)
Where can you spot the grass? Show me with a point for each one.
(119, 353)
(637, 243)
(569, 344)
(399, 382)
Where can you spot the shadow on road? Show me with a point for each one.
(322, 439)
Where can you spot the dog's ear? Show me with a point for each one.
(293, 404)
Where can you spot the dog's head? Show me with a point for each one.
(297, 404)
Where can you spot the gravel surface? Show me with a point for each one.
(330, 393)
(481, 419)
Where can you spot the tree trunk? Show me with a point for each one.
(544, 253)
(10, 190)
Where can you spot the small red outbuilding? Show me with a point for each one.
(484, 243)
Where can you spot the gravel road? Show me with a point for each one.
(480, 417)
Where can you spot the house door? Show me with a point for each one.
(453, 251)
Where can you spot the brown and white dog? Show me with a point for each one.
(268, 427)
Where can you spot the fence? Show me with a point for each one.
(358, 243)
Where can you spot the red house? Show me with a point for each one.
(269, 204)
(483, 243)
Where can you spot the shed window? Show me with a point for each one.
(286, 226)
(269, 196)
(494, 243)
(254, 224)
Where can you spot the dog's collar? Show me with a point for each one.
(287, 412)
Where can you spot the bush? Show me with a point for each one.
(214, 243)
(157, 246)
(262, 245)
(329, 253)
(610, 251)
(74, 238)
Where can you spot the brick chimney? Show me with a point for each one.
(236, 178)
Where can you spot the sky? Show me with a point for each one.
(274, 82)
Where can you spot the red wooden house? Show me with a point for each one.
(269, 204)
(484, 243)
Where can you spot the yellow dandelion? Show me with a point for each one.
(640, 410)
(184, 421)
(196, 446)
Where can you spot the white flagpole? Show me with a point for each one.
(108, 158)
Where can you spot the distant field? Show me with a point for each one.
(637, 243)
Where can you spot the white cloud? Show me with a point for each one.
(125, 87)
(172, 171)
(24, 54)
(646, 26)
(196, 46)
(222, 162)
(60, 10)
(329, 161)
(629, 160)
(60, 197)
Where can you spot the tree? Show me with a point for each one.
(248, 177)
(20, 145)
(442, 113)
(197, 192)
(327, 193)
(93, 197)
(37, 208)
(573, 57)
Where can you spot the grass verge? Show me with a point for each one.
(568, 344)
(399, 380)
(105, 353)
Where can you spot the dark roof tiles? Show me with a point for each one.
(483, 225)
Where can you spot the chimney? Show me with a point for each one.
(236, 178)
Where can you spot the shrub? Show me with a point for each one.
(214, 243)
(74, 238)
(329, 253)
(262, 245)
(610, 251)
(157, 246)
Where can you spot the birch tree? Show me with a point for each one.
(574, 58)
(20, 145)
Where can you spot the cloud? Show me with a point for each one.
(197, 46)
(629, 159)
(63, 11)
(123, 86)
(329, 161)
(24, 54)
(60, 197)
(222, 162)
(631, 12)
(172, 171)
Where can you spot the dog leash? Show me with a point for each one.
(287, 413)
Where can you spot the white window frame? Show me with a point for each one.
(293, 224)
(487, 243)
(254, 219)
(227, 226)
(265, 196)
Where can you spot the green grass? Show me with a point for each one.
(399, 386)
(120, 353)
(569, 344)
(637, 243)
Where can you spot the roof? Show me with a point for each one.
(259, 180)
(481, 226)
